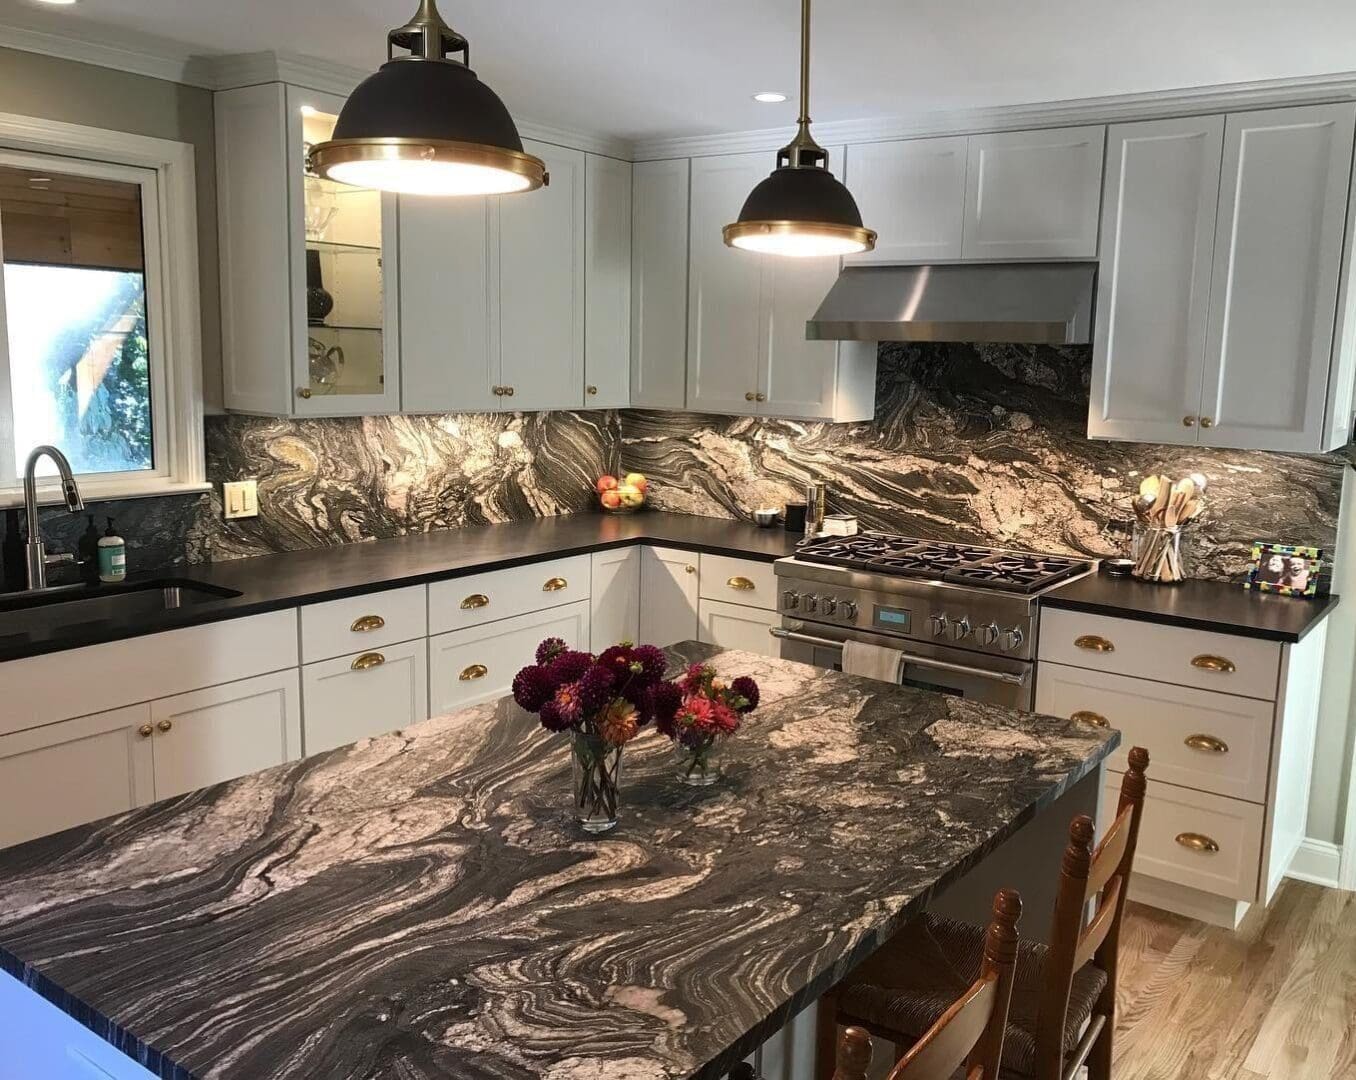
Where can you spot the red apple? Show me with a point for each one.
(611, 499)
(606, 483)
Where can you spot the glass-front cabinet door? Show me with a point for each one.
(346, 346)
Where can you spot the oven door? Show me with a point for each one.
(998, 679)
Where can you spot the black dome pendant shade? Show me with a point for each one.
(425, 125)
(801, 208)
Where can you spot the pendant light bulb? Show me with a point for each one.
(801, 209)
(423, 124)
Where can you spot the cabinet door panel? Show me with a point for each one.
(62, 775)
(607, 291)
(449, 305)
(227, 731)
(1153, 296)
(913, 194)
(725, 333)
(1278, 254)
(659, 284)
(796, 377)
(734, 627)
(615, 598)
(344, 703)
(541, 287)
(668, 589)
(1033, 194)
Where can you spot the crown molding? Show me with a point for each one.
(155, 58)
(1232, 97)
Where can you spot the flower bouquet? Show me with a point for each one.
(602, 702)
(709, 711)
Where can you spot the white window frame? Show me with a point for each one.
(164, 169)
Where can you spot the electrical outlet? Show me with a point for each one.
(240, 499)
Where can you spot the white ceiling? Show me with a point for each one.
(645, 69)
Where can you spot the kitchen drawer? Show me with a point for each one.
(738, 581)
(478, 664)
(1172, 654)
(361, 623)
(501, 594)
(369, 693)
(732, 626)
(1210, 742)
(1235, 827)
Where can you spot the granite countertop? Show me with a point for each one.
(422, 905)
(1219, 606)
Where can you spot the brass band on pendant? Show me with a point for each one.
(858, 234)
(324, 156)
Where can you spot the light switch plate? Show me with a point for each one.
(240, 499)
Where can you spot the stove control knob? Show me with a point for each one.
(829, 605)
(790, 599)
(848, 609)
(939, 624)
(809, 603)
(960, 628)
(1011, 639)
(987, 634)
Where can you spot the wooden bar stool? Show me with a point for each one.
(970, 1031)
(1063, 1012)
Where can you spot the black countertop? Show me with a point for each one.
(423, 905)
(1219, 606)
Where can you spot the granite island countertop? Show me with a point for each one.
(422, 905)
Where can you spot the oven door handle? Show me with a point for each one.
(909, 658)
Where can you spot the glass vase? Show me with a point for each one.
(697, 765)
(1156, 551)
(597, 778)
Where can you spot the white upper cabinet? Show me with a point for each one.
(541, 286)
(607, 277)
(1033, 194)
(1278, 257)
(659, 284)
(1153, 293)
(912, 194)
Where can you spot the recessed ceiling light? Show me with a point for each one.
(769, 97)
(61, 3)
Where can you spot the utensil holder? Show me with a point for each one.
(1157, 553)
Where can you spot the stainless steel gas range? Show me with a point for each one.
(965, 617)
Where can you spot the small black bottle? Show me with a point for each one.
(88, 549)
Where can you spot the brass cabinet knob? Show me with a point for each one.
(1207, 662)
(365, 624)
(1092, 719)
(759, 397)
(1208, 743)
(498, 391)
(1188, 421)
(508, 391)
(750, 396)
(1094, 643)
(1195, 841)
(475, 671)
(145, 731)
(367, 660)
(304, 392)
(689, 569)
(590, 390)
(165, 725)
(1207, 422)
(741, 583)
(555, 584)
(475, 600)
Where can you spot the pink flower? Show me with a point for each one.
(697, 712)
(724, 719)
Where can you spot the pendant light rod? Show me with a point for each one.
(804, 63)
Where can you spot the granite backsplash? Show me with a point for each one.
(970, 443)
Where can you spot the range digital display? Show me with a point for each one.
(895, 618)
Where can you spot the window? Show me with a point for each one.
(98, 346)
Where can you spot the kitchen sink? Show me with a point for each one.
(70, 606)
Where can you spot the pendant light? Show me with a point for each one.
(801, 209)
(425, 125)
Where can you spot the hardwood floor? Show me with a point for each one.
(1274, 1001)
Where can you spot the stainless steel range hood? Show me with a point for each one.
(1042, 303)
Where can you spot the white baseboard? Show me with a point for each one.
(1317, 862)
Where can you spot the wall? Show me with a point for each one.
(75, 93)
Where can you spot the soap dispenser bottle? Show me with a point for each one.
(112, 555)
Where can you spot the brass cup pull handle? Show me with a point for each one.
(1208, 743)
(1094, 643)
(555, 584)
(165, 725)
(365, 624)
(743, 584)
(1222, 664)
(475, 671)
(368, 660)
(1092, 719)
(1197, 842)
(475, 600)
(145, 731)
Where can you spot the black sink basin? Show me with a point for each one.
(59, 609)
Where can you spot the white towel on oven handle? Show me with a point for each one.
(872, 661)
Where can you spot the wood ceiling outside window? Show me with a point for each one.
(60, 220)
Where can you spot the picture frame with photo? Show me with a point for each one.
(1287, 569)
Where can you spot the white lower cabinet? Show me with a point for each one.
(370, 693)
(615, 599)
(669, 588)
(733, 626)
(61, 775)
(217, 734)
(478, 664)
